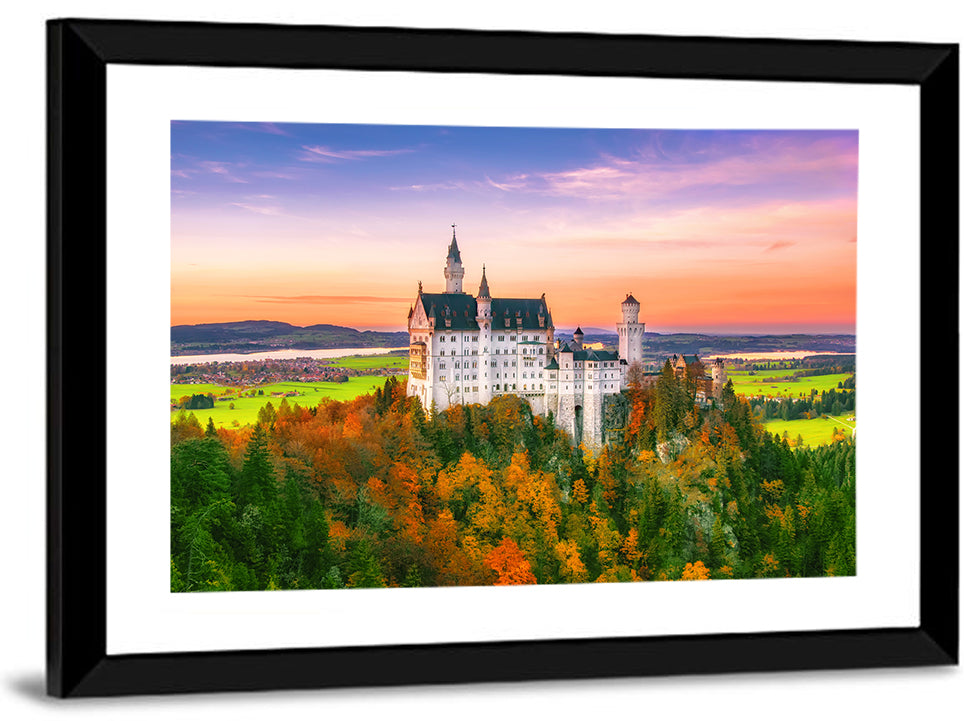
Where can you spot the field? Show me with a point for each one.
(815, 432)
(246, 408)
(370, 361)
(753, 385)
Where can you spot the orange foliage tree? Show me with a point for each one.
(511, 566)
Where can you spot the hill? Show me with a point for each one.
(248, 336)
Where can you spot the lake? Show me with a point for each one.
(285, 354)
(775, 355)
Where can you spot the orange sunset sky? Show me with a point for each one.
(713, 231)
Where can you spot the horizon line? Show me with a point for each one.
(399, 329)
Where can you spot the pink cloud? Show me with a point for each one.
(260, 209)
(820, 162)
(222, 169)
(323, 154)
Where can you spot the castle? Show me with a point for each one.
(465, 349)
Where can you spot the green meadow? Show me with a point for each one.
(370, 361)
(753, 385)
(816, 432)
(246, 407)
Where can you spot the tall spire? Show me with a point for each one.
(484, 287)
(453, 267)
(454, 248)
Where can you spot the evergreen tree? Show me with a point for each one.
(257, 474)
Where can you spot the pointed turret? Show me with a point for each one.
(577, 338)
(484, 303)
(484, 287)
(453, 267)
(454, 254)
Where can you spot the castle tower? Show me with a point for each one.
(453, 267)
(630, 333)
(577, 339)
(718, 374)
(483, 317)
(568, 394)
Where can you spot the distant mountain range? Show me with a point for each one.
(250, 336)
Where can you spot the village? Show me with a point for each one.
(263, 372)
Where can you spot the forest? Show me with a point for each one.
(377, 492)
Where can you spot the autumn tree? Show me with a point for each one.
(510, 566)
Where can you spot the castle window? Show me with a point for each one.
(525, 337)
(511, 337)
(542, 351)
(456, 364)
(501, 337)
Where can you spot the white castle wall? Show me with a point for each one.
(475, 366)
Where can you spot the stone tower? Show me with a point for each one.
(577, 339)
(453, 267)
(483, 316)
(631, 332)
(718, 374)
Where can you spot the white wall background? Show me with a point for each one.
(920, 693)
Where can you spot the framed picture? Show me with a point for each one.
(497, 494)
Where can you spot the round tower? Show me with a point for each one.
(577, 339)
(630, 308)
(630, 334)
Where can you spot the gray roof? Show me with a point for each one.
(595, 355)
(454, 250)
(527, 310)
(461, 309)
(484, 286)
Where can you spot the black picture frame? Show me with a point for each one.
(79, 52)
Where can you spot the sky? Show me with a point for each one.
(717, 231)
